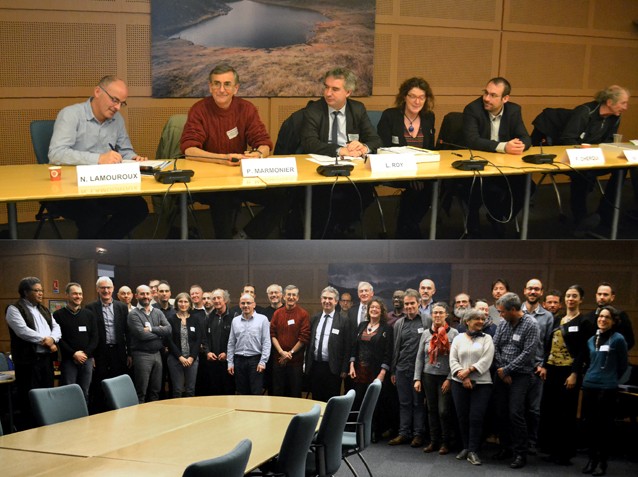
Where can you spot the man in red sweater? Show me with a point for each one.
(290, 333)
(224, 129)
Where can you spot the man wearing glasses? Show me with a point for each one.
(93, 132)
(494, 124)
(34, 336)
(224, 129)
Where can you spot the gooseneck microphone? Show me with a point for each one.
(336, 169)
(540, 158)
(471, 164)
(176, 175)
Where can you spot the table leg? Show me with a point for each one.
(308, 214)
(183, 206)
(12, 215)
(620, 173)
(528, 192)
(435, 208)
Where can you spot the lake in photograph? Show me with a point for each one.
(255, 25)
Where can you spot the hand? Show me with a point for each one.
(140, 158)
(445, 387)
(110, 157)
(356, 149)
(221, 356)
(417, 386)
(80, 357)
(261, 368)
(129, 361)
(53, 348)
(467, 384)
(570, 382)
(282, 360)
(236, 162)
(393, 379)
(462, 374)
(48, 341)
(352, 373)
(210, 356)
(515, 146)
(542, 372)
(507, 380)
(381, 375)
(190, 360)
(147, 329)
(231, 370)
(184, 362)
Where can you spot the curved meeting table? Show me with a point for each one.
(157, 439)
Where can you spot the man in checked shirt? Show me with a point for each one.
(515, 344)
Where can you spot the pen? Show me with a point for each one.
(457, 154)
(114, 148)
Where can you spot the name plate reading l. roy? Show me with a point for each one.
(380, 163)
(274, 166)
(586, 157)
(109, 174)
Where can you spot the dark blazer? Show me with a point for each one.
(576, 333)
(195, 336)
(476, 126)
(120, 313)
(391, 125)
(315, 134)
(338, 345)
(382, 347)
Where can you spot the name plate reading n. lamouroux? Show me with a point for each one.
(109, 174)
(273, 166)
(392, 163)
(588, 156)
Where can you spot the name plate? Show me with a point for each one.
(276, 166)
(392, 162)
(109, 174)
(591, 156)
(631, 155)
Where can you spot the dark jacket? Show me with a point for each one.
(576, 333)
(586, 125)
(195, 336)
(120, 313)
(338, 344)
(477, 128)
(381, 347)
(391, 126)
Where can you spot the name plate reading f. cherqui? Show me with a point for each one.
(587, 156)
(274, 166)
(109, 174)
(392, 162)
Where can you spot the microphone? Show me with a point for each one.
(336, 169)
(471, 164)
(541, 158)
(174, 176)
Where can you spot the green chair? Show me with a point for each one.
(53, 405)
(120, 392)
(232, 464)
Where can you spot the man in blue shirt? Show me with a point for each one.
(92, 133)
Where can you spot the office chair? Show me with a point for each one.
(41, 132)
(357, 441)
(325, 456)
(53, 405)
(232, 464)
(120, 392)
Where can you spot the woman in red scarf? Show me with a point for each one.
(433, 370)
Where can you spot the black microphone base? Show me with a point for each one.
(172, 177)
(539, 158)
(469, 164)
(334, 170)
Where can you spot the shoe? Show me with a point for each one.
(519, 462)
(462, 455)
(399, 440)
(532, 450)
(473, 458)
(417, 441)
(590, 466)
(430, 448)
(387, 434)
(444, 450)
(503, 454)
(600, 470)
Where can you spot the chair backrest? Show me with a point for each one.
(330, 435)
(120, 392)
(451, 131)
(375, 117)
(549, 125)
(232, 464)
(4, 364)
(52, 405)
(169, 145)
(294, 448)
(364, 419)
(1, 432)
(41, 132)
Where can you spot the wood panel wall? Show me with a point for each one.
(554, 53)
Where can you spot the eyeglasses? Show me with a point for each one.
(227, 85)
(116, 101)
(491, 95)
(37, 290)
(414, 97)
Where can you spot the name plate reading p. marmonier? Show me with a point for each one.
(380, 163)
(273, 166)
(590, 156)
(109, 174)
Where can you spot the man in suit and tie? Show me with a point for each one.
(494, 124)
(111, 356)
(328, 352)
(338, 126)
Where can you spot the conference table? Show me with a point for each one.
(31, 182)
(160, 438)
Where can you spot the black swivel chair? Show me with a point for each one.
(41, 132)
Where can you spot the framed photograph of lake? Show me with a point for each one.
(278, 47)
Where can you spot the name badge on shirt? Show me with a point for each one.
(335, 331)
(233, 133)
(604, 349)
(291, 322)
(420, 330)
(353, 137)
(516, 337)
(573, 329)
(193, 329)
(147, 325)
(395, 140)
(81, 328)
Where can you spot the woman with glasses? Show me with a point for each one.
(410, 123)
(433, 370)
(607, 363)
